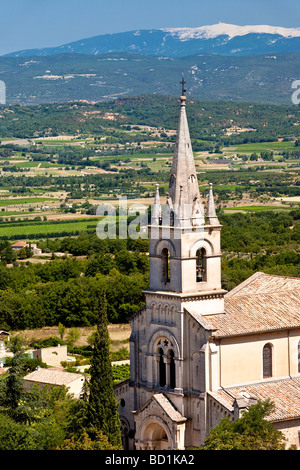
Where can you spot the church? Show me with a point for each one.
(197, 352)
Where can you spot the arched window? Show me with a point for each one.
(267, 361)
(165, 371)
(162, 369)
(165, 265)
(201, 265)
(172, 370)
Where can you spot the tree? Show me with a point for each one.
(249, 432)
(84, 442)
(103, 406)
(39, 421)
(23, 407)
(15, 436)
(14, 383)
(61, 330)
(73, 336)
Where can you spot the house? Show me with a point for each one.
(56, 378)
(52, 356)
(35, 249)
(197, 352)
(19, 245)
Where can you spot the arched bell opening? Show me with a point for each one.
(201, 268)
(165, 265)
(162, 369)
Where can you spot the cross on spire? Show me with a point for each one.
(182, 84)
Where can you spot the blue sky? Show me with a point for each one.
(28, 24)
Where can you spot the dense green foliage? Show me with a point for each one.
(121, 372)
(257, 78)
(208, 120)
(45, 418)
(262, 241)
(126, 181)
(66, 290)
(252, 431)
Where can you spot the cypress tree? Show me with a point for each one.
(103, 406)
(14, 382)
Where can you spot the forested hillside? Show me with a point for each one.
(260, 78)
(208, 121)
(66, 290)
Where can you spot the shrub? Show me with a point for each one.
(48, 342)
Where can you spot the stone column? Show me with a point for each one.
(156, 358)
(178, 375)
(167, 361)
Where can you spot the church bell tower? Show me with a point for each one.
(184, 242)
(167, 361)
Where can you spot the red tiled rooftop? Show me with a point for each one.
(262, 303)
(285, 394)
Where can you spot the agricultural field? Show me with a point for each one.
(21, 202)
(34, 230)
(54, 177)
(60, 163)
(119, 335)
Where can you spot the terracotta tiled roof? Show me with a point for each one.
(261, 282)
(262, 303)
(285, 394)
(20, 244)
(52, 376)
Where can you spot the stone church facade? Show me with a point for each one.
(197, 352)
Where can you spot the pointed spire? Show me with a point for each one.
(198, 217)
(167, 213)
(169, 202)
(211, 215)
(183, 186)
(156, 209)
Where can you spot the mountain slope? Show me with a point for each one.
(72, 77)
(224, 39)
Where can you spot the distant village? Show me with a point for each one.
(53, 374)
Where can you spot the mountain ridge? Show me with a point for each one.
(221, 38)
